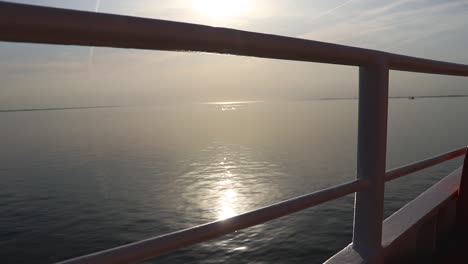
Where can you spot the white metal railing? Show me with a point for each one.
(423, 164)
(33, 24)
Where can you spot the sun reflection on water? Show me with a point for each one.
(228, 197)
(227, 181)
(226, 204)
(231, 106)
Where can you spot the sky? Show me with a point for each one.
(36, 75)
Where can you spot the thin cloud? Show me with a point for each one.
(391, 25)
(96, 6)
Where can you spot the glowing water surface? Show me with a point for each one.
(78, 181)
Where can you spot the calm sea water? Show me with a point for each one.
(78, 181)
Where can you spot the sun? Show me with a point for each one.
(220, 10)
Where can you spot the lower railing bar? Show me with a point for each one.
(423, 164)
(152, 247)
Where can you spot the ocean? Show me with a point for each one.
(74, 182)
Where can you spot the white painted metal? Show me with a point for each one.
(153, 247)
(405, 233)
(347, 255)
(423, 164)
(372, 142)
(26, 23)
(404, 230)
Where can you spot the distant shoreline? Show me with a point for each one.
(398, 97)
(222, 103)
(57, 108)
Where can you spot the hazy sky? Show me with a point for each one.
(49, 76)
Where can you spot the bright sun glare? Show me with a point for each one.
(221, 9)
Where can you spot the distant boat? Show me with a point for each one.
(411, 97)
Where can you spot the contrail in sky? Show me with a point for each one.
(96, 7)
(331, 10)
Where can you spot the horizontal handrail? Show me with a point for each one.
(423, 164)
(153, 247)
(36, 24)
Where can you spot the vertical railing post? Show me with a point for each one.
(372, 142)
